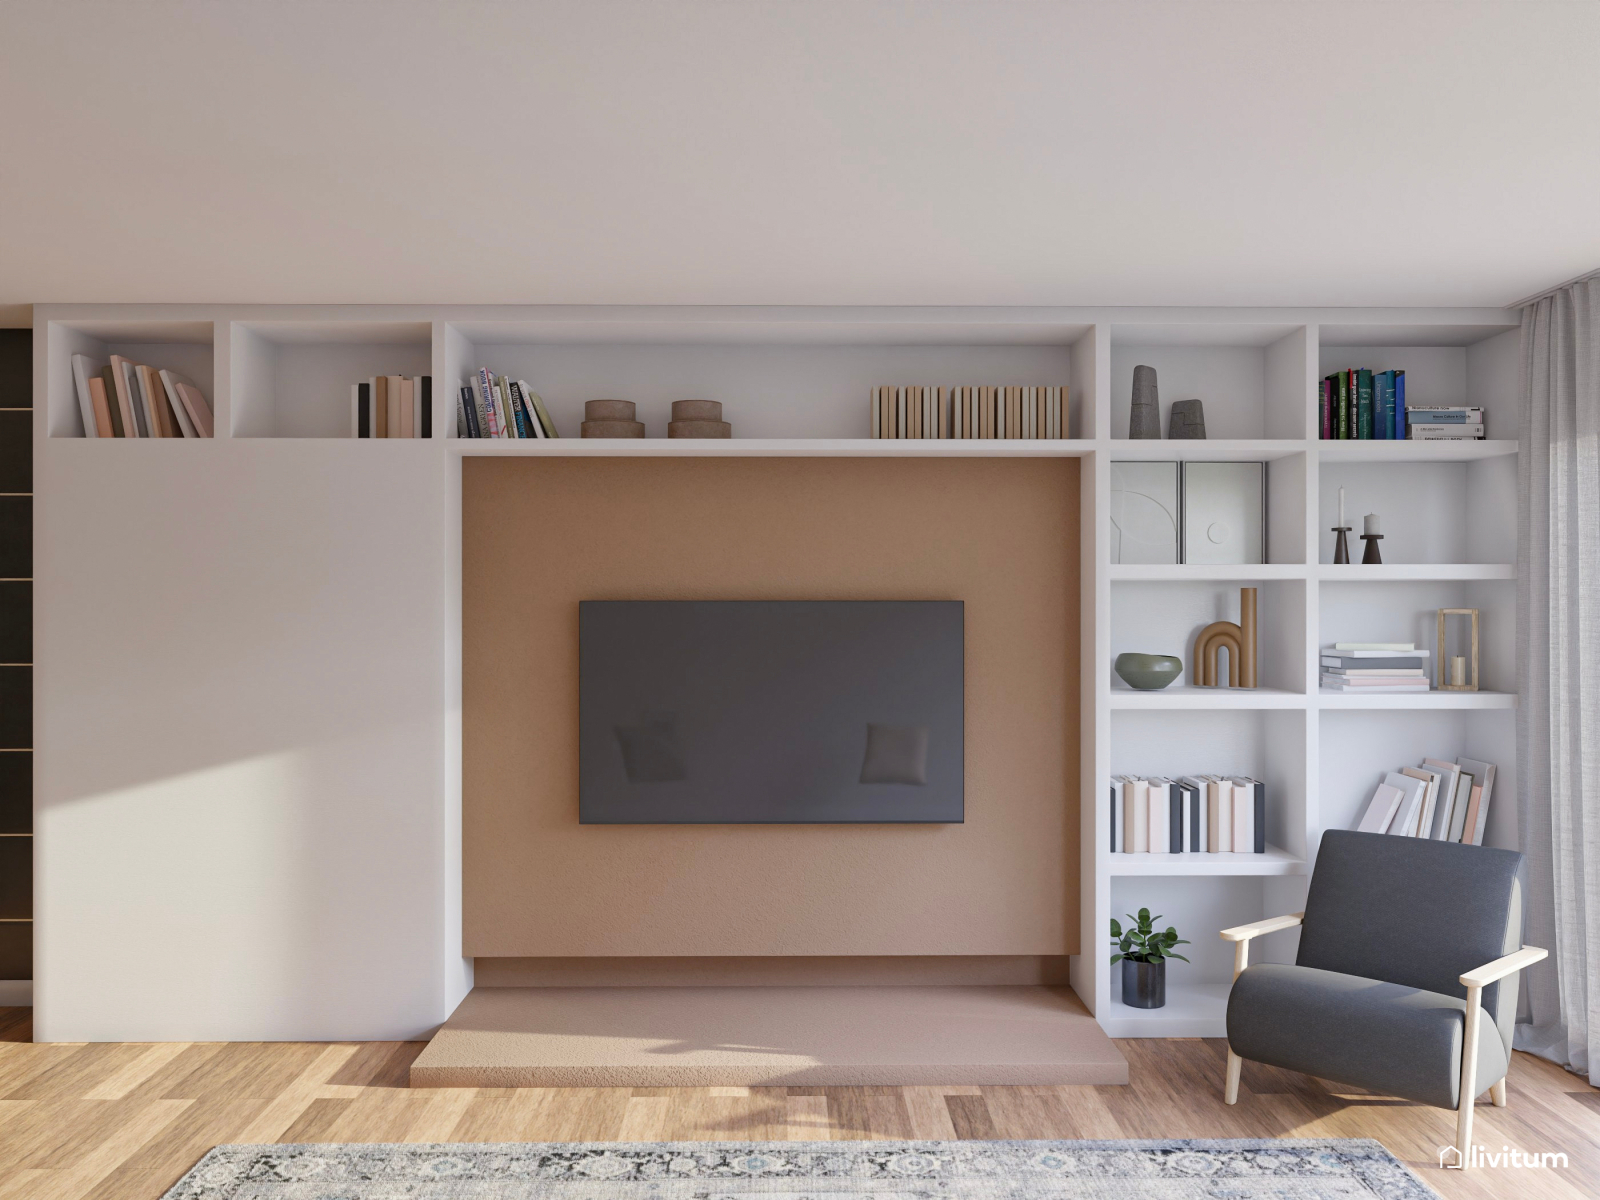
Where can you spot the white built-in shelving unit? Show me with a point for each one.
(334, 553)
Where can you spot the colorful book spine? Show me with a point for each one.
(1399, 405)
(1364, 403)
(1342, 382)
(1326, 409)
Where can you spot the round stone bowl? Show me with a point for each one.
(1148, 672)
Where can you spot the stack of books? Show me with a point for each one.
(392, 406)
(1374, 667)
(1198, 814)
(126, 399)
(493, 406)
(1445, 801)
(1026, 413)
(1444, 423)
(1363, 404)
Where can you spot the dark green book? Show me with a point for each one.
(1364, 403)
(1341, 383)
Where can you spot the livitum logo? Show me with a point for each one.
(1506, 1156)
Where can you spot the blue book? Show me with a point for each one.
(1383, 405)
(1400, 404)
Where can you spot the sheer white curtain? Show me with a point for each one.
(1558, 721)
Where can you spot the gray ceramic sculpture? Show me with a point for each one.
(1144, 418)
(1148, 672)
(1187, 419)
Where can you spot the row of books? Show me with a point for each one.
(1373, 667)
(1371, 405)
(969, 412)
(122, 398)
(494, 406)
(1198, 814)
(1445, 801)
(392, 406)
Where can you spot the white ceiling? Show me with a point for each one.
(863, 151)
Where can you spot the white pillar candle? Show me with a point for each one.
(1341, 508)
(1371, 524)
(1458, 671)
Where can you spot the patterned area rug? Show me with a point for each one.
(968, 1170)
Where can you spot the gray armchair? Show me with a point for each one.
(1408, 947)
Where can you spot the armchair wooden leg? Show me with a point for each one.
(1469, 1081)
(1497, 1093)
(1241, 960)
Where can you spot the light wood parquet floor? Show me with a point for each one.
(122, 1121)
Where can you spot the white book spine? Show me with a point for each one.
(1160, 823)
(1244, 816)
(1141, 817)
(82, 368)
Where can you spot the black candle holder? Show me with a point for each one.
(1341, 547)
(1371, 554)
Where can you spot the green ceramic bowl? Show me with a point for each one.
(1148, 672)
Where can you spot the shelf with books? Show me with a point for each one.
(804, 390)
(1250, 377)
(1406, 612)
(1466, 367)
(1375, 744)
(1260, 745)
(184, 349)
(293, 379)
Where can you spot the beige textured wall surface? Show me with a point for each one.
(541, 535)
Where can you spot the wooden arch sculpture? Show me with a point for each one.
(1238, 640)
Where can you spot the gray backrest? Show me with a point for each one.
(1415, 912)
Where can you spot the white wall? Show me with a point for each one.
(239, 716)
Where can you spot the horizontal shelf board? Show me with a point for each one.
(1378, 572)
(1191, 1010)
(1202, 449)
(1201, 572)
(1408, 451)
(1274, 862)
(1184, 696)
(1428, 700)
(771, 447)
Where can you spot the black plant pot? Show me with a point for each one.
(1144, 985)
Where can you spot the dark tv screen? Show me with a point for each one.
(770, 712)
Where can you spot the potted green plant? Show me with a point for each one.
(1143, 951)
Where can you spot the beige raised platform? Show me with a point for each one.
(750, 1036)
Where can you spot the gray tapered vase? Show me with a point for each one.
(1144, 418)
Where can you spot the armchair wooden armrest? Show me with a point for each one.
(1475, 981)
(1501, 967)
(1243, 933)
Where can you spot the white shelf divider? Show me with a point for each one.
(1184, 696)
(1275, 861)
(1379, 572)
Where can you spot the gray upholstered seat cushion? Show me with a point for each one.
(1394, 1039)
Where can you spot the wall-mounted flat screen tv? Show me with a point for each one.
(770, 712)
